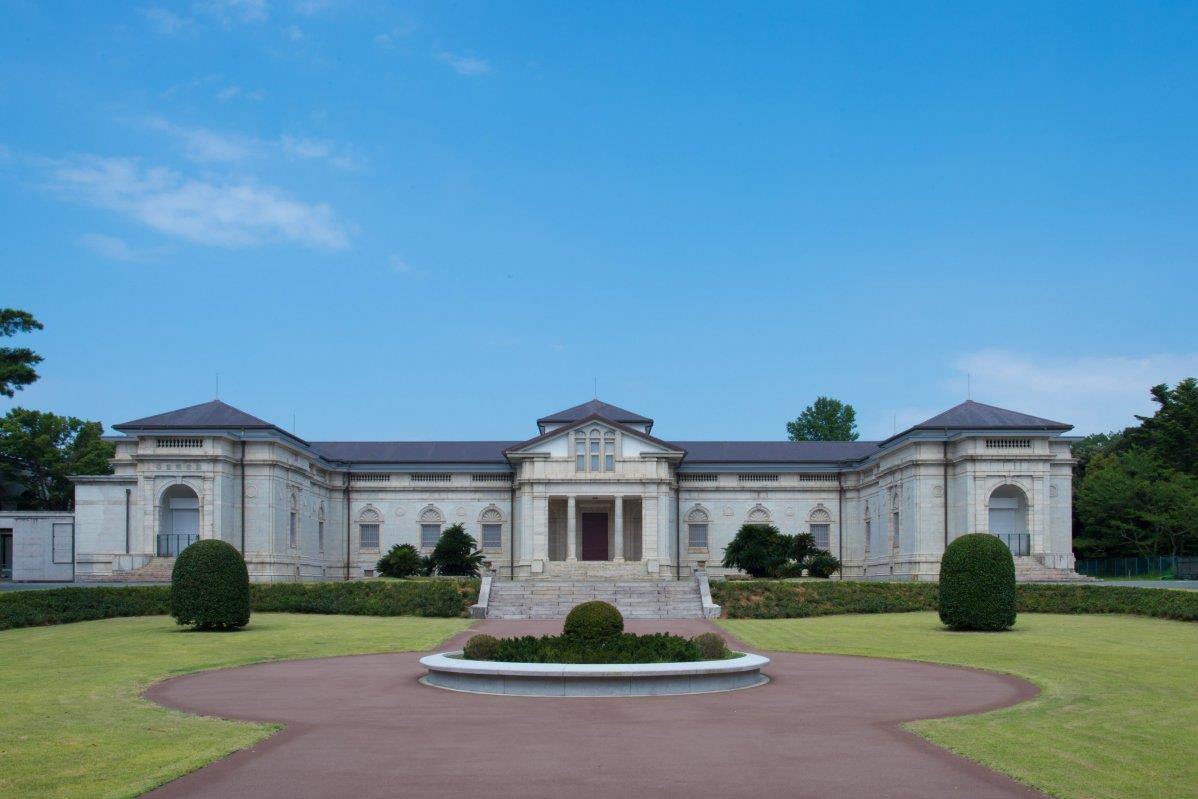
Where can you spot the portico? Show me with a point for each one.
(593, 527)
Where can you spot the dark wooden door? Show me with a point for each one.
(594, 536)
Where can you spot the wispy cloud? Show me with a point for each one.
(221, 214)
(165, 21)
(235, 92)
(463, 64)
(117, 249)
(390, 37)
(233, 11)
(207, 146)
(303, 149)
(399, 265)
(294, 33)
(310, 7)
(1095, 394)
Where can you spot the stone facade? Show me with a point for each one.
(595, 495)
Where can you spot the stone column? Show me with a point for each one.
(571, 535)
(540, 529)
(618, 543)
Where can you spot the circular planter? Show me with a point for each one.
(451, 670)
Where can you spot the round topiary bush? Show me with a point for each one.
(480, 647)
(592, 621)
(210, 587)
(977, 584)
(711, 646)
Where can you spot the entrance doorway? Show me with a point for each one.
(6, 555)
(594, 536)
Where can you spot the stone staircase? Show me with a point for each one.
(636, 599)
(158, 570)
(1030, 570)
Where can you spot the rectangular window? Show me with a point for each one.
(820, 533)
(60, 544)
(320, 535)
(293, 531)
(368, 536)
(609, 456)
(696, 537)
(430, 534)
(594, 456)
(868, 535)
(894, 531)
(492, 536)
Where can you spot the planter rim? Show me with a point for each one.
(453, 662)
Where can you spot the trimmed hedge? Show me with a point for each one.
(419, 597)
(210, 587)
(443, 598)
(977, 584)
(64, 605)
(775, 599)
(593, 621)
(621, 648)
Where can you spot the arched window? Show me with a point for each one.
(697, 526)
(369, 522)
(320, 527)
(819, 524)
(869, 531)
(178, 520)
(491, 520)
(1008, 518)
(293, 522)
(595, 450)
(431, 520)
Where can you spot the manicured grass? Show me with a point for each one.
(74, 724)
(1118, 712)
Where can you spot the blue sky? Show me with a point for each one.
(442, 220)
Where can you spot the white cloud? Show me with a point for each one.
(233, 92)
(116, 249)
(399, 265)
(229, 11)
(221, 214)
(1094, 394)
(207, 146)
(464, 65)
(293, 32)
(310, 7)
(303, 149)
(388, 38)
(165, 21)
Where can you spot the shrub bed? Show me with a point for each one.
(773, 599)
(621, 648)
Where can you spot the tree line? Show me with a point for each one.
(39, 450)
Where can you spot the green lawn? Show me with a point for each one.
(73, 723)
(1118, 712)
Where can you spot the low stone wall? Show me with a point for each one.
(451, 670)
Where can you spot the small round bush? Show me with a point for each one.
(402, 560)
(481, 647)
(210, 587)
(823, 565)
(711, 646)
(977, 584)
(592, 621)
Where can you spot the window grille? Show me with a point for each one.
(699, 478)
(430, 534)
(1008, 443)
(492, 536)
(696, 536)
(819, 532)
(819, 477)
(432, 477)
(757, 478)
(369, 477)
(178, 443)
(491, 477)
(320, 536)
(368, 536)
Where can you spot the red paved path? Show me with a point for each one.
(362, 726)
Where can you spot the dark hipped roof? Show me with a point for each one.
(774, 451)
(413, 451)
(970, 415)
(207, 414)
(595, 408)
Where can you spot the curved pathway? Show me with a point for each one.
(362, 726)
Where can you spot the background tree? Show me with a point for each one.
(759, 549)
(39, 450)
(457, 553)
(826, 419)
(16, 363)
(1171, 433)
